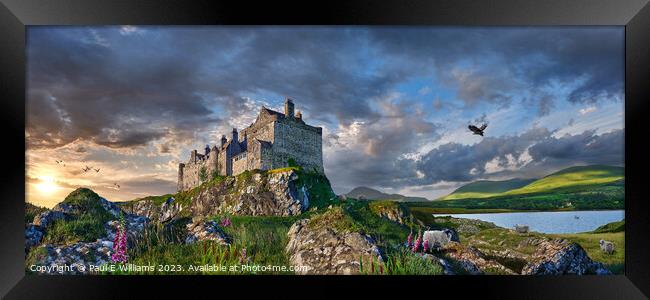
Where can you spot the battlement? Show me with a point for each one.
(270, 142)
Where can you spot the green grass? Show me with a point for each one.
(87, 221)
(264, 239)
(402, 262)
(577, 178)
(611, 227)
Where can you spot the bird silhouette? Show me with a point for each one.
(477, 130)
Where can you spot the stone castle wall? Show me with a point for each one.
(301, 142)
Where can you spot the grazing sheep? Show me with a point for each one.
(521, 228)
(439, 238)
(606, 246)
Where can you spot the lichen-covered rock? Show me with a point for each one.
(135, 226)
(559, 257)
(473, 261)
(161, 213)
(46, 218)
(33, 236)
(69, 259)
(265, 194)
(317, 247)
(390, 210)
(205, 231)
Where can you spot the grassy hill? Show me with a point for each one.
(486, 188)
(573, 179)
(367, 193)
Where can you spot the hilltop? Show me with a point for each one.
(367, 193)
(486, 188)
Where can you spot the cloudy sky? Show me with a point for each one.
(394, 102)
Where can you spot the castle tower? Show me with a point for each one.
(288, 108)
(181, 166)
(299, 115)
(235, 137)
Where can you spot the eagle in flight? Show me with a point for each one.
(477, 130)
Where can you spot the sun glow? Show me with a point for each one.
(47, 185)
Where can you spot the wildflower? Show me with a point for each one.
(119, 243)
(225, 222)
(242, 258)
(418, 243)
(425, 246)
(409, 240)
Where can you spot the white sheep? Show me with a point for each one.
(521, 228)
(606, 246)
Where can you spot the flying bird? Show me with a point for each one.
(97, 170)
(477, 130)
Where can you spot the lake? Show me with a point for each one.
(551, 221)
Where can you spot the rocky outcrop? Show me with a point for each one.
(33, 236)
(473, 261)
(559, 257)
(259, 194)
(318, 247)
(161, 213)
(47, 218)
(391, 210)
(205, 231)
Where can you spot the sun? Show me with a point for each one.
(47, 185)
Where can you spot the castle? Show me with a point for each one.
(271, 142)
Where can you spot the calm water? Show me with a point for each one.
(550, 222)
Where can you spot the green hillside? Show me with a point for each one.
(573, 179)
(486, 188)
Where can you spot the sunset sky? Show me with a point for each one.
(394, 102)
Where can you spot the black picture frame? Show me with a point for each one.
(633, 14)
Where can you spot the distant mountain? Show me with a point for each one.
(487, 188)
(367, 193)
(569, 179)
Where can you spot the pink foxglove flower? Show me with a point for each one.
(119, 243)
(225, 222)
(425, 246)
(409, 240)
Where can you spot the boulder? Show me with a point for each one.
(161, 213)
(33, 236)
(319, 248)
(559, 257)
(205, 231)
(72, 259)
(473, 261)
(46, 218)
(264, 194)
(440, 238)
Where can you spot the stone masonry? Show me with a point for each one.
(269, 143)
